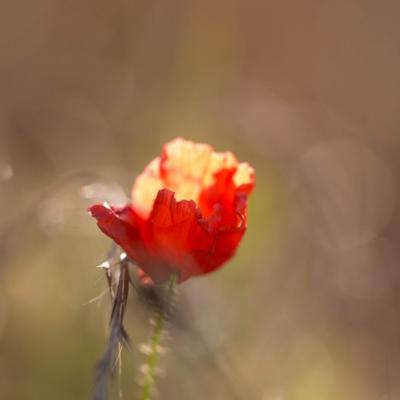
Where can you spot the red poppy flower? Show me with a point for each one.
(188, 211)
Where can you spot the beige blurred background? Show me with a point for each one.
(307, 91)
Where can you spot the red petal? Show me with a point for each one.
(221, 193)
(173, 231)
(225, 245)
(224, 203)
(123, 226)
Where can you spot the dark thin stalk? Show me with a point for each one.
(118, 334)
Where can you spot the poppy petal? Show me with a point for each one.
(174, 230)
(146, 187)
(123, 226)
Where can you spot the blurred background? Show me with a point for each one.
(307, 91)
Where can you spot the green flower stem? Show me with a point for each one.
(155, 340)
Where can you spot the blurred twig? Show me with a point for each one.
(118, 334)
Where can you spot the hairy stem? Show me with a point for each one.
(155, 340)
